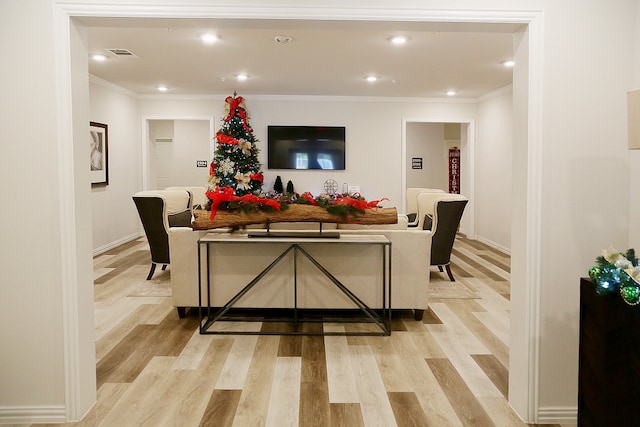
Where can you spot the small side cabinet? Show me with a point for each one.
(609, 375)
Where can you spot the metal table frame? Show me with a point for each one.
(206, 313)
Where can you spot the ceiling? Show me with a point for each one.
(328, 58)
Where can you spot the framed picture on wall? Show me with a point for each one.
(98, 147)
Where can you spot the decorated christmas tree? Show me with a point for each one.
(235, 163)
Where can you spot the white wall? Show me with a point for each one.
(634, 155)
(374, 135)
(30, 251)
(114, 216)
(426, 141)
(493, 169)
(47, 364)
(587, 72)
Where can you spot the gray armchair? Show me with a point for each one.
(158, 211)
(442, 215)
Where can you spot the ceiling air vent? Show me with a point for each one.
(122, 53)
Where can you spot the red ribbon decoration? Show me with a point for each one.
(235, 105)
(251, 198)
(212, 167)
(257, 177)
(357, 203)
(309, 198)
(227, 194)
(226, 139)
(217, 197)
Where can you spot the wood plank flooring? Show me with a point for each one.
(451, 369)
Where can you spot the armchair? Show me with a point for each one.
(412, 203)
(158, 211)
(445, 212)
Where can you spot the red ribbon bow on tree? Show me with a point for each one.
(226, 139)
(234, 106)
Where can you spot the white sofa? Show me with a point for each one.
(358, 267)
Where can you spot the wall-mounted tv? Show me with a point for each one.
(306, 147)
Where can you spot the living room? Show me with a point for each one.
(570, 131)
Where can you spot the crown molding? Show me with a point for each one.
(112, 86)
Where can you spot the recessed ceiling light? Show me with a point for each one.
(371, 78)
(98, 57)
(399, 40)
(451, 92)
(509, 63)
(163, 88)
(209, 38)
(242, 77)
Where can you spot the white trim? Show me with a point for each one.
(115, 244)
(32, 414)
(112, 86)
(68, 238)
(308, 98)
(496, 93)
(494, 245)
(558, 415)
(328, 12)
(534, 209)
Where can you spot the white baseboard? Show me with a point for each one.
(32, 414)
(558, 415)
(494, 245)
(108, 247)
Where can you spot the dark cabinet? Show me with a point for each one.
(609, 376)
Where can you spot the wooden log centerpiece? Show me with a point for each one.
(294, 213)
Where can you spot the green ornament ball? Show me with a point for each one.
(594, 272)
(630, 294)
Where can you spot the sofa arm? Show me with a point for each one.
(183, 251)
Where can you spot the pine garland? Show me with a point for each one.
(343, 205)
(615, 272)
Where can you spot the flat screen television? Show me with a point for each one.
(306, 147)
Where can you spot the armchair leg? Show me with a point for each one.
(153, 269)
(418, 314)
(440, 268)
(182, 312)
(164, 267)
(448, 266)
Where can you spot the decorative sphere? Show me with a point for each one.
(331, 186)
(630, 294)
(594, 272)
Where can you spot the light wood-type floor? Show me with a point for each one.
(154, 369)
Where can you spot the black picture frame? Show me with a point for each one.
(99, 153)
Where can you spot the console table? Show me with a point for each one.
(295, 247)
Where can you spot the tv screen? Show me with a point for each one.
(306, 147)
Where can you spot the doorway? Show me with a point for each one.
(429, 140)
(176, 152)
(527, 126)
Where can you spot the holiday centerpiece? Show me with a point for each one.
(617, 273)
(235, 184)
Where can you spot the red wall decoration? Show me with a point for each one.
(454, 171)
